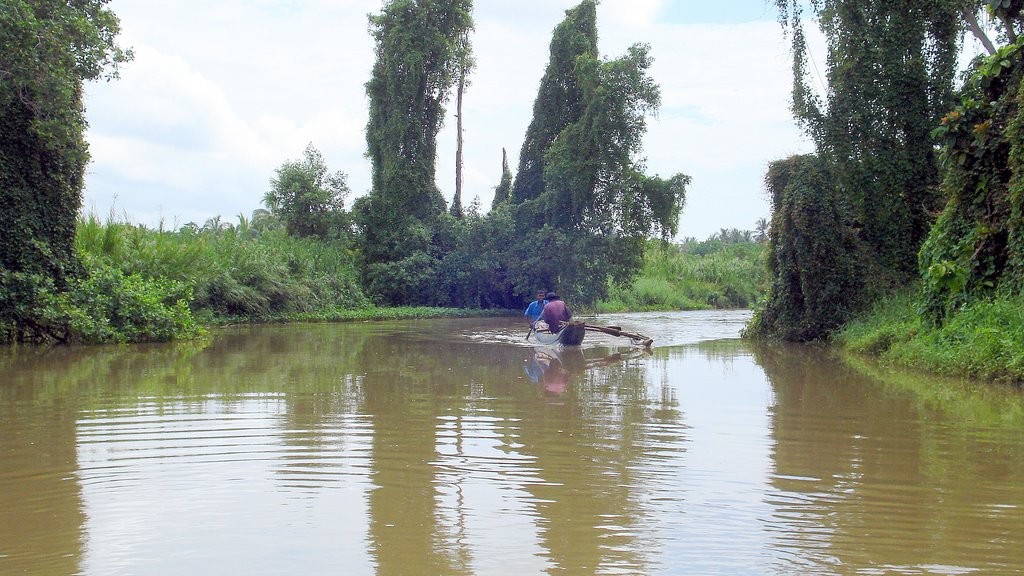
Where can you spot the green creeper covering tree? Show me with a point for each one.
(420, 53)
(581, 200)
(976, 249)
(890, 70)
(890, 67)
(48, 49)
(559, 97)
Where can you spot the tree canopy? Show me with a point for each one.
(308, 199)
(47, 50)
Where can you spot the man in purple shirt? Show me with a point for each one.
(555, 312)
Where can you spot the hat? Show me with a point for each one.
(551, 296)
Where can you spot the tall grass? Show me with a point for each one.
(984, 339)
(689, 278)
(234, 271)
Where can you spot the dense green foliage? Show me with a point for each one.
(233, 271)
(580, 209)
(984, 339)
(47, 50)
(889, 80)
(581, 201)
(420, 52)
(720, 272)
(581, 223)
(976, 249)
(559, 97)
(863, 205)
(816, 261)
(308, 199)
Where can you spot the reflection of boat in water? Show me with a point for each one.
(554, 367)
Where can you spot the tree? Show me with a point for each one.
(815, 259)
(889, 81)
(593, 206)
(504, 188)
(761, 230)
(465, 62)
(48, 49)
(558, 102)
(420, 51)
(976, 248)
(307, 198)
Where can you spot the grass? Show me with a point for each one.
(984, 339)
(688, 277)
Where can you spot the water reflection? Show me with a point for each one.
(879, 483)
(426, 448)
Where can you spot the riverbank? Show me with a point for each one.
(983, 339)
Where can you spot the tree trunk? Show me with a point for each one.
(457, 200)
(972, 24)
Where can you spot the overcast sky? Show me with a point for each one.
(222, 93)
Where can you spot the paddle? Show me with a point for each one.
(616, 331)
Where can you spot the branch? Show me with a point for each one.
(972, 23)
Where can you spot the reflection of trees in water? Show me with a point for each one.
(414, 394)
(41, 513)
(588, 450)
(868, 477)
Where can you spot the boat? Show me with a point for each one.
(570, 335)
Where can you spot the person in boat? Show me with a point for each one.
(535, 307)
(555, 312)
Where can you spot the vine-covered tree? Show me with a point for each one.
(890, 69)
(504, 189)
(976, 248)
(420, 49)
(815, 259)
(559, 97)
(48, 48)
(585, 220)
(307, 198)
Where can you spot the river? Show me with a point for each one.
(455, 447)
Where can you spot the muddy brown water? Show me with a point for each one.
(452, 447)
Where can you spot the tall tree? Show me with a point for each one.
(558, 102)
(420, 48)
(585, 220)
(48, 49)
(466, 63)
(504, 188)
(889, 81)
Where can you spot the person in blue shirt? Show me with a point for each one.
(534, 309)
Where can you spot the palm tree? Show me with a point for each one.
(761, 230)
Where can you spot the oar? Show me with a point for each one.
(616, 331)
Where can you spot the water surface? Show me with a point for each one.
(454, 447)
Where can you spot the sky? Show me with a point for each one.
(222, 93)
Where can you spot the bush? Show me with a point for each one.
(103, 307)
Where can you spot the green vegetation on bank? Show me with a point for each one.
(724, 271)
(902, 236)
(983, 339)
(146, 285)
